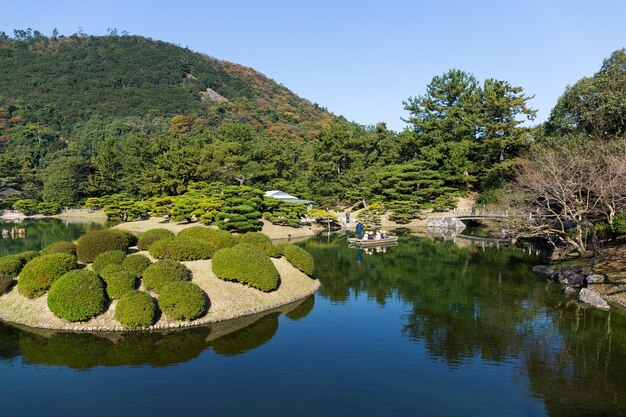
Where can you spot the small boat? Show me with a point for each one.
(373, 242)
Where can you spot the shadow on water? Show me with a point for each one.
(88, 350)
(465, 304)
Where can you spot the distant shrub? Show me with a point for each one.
(94, 243)
(6, 282)
(149, 237)
(182, 301)
(41, 272)
(11, 265)
(219, 238)
(136, 264)
(135, 310)
(48, 209)
(182, 248)
(260, 240)
(118, 280)
(246, 264)
(298, 257)
(161, 273)
(111, 257)
(77, 296)
(60, 247)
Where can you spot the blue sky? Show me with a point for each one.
(362, 58)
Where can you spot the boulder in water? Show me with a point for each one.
(592, 298)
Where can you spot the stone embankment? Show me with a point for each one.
(578, 283)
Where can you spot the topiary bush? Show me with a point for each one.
(40, 273)
(60, 247)
(94, 243)
(118, 281)
(135, 310)
(219, 238)
(11, 265)
(182, 248)
(246, 264)
(130, 236)
(261, 240)
(28, 255)
(77, 296)
(298, 257)
(182, 301)
(136, 264)
(161, 273)
(111, 257)
(6, 282)
(150, 236)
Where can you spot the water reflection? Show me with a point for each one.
(469, 304)
(87, 350)
(39, 233)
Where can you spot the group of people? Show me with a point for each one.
(369, 235)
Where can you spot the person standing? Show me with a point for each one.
(359, 230)
(347, 217)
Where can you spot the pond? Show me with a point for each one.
(428, 327)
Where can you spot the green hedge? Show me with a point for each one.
(111, 257)
(246, 264)
(219, 238)
(182, 301)
(94, 243)
(161, 273)
(60, 247)
(182, 248)
(39, 273)
(28, 255)
(136, 264)
(77, 296)
(11, 265)
(118, 280)
(261, 240)
(150, 236)
(135, 310)
(6, 282)
(298, 257)
(130, 236)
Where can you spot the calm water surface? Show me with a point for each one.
(425, 328)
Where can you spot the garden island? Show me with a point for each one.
(199, 276)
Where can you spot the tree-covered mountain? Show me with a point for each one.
(118, 76)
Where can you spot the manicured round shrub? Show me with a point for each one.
(182, 301)
(246, 264)
(219, 238)
(118, 281)
(135, 310)
(161, 273)
(94, 243)
(77, 296)
(28, 255)
(261, 240)
(136, 264)
(298, 257)
(39, 273)
(130, 236)
(6, 282)
(60, 247)
(111, 257)
(182, 248)
(11, 265)
(150, 236)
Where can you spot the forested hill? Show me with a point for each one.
(78, 76)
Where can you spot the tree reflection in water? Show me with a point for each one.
(468, 303)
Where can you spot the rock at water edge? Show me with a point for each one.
(592, 298)
(543, 270)
(594, 279)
